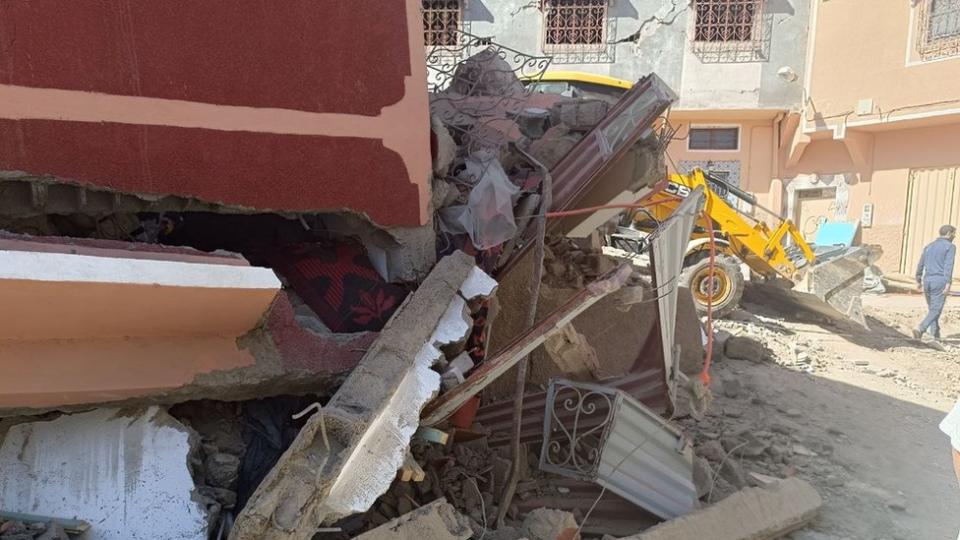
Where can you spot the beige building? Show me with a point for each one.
(879, 140)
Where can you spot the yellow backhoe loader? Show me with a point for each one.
(795, 274)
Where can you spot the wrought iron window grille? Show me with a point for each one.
(578, 31)
(443, 21)
(731, 31)
(938, 32)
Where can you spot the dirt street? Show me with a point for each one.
(853, 411)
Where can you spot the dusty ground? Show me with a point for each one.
(866, 403)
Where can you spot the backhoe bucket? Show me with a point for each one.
(832, 287)
(836, 279)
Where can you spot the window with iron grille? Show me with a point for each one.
(939, 31)
(714, 138)
(577, 30)
(441, 22)
(730, 30)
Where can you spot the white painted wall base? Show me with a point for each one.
(124, 474)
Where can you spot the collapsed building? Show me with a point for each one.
(241, 308)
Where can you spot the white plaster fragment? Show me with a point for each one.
(61, 267)
(477, 284)
(125, 475)
(455, 324)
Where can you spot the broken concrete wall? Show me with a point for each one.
(614, 331)
(347, 455)
(644, 34)
(124, 472)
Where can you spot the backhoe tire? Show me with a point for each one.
(726, 275)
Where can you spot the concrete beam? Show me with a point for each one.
(348, 455)
(104, 325)
(759, 513)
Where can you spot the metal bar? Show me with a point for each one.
(73, 526)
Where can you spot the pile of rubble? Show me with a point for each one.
(506, 155)
(747, 336)
(301, 386)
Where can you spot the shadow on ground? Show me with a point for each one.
(897, 478)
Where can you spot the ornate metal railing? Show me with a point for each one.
(575, 427)
(480, 87)
(600, 434)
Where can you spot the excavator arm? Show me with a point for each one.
(829, 285)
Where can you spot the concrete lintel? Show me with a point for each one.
(67, 296)
(90, 322)
(348, 455)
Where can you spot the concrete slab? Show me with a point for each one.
(124, 472)
(752, 514)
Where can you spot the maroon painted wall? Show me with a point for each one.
(266, 171)
(307, 56)
(311, 55)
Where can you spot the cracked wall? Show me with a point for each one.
(518, 24)
(652, 36)
(754, 84)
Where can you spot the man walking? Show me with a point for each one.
(934, 275)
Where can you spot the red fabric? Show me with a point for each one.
(339, 284)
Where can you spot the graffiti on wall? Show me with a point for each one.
(818, 186)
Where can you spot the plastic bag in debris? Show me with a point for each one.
(487, 218)
(873, 280)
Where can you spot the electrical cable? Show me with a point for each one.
(708, 353)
